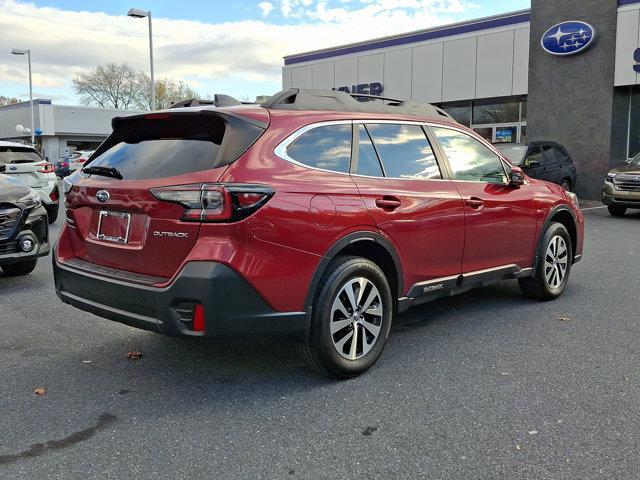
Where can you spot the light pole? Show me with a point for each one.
(137, 13)
(18, 51)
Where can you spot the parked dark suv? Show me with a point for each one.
(313, 215)
(548, 161)
(24, 230)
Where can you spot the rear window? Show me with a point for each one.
(18, 155)
(169, 145)
(327, 147)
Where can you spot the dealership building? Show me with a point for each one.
(561, 71)
(61, 129)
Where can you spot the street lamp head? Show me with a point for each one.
(19, 51)
(137, 13)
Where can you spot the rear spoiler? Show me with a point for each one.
(219, 100)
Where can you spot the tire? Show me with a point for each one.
(566, 184)
(21, 268)
(552, 270)
(616, 211)
(52, 216)
(334, 354)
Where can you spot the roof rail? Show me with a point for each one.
(307, 99)
(219, 100)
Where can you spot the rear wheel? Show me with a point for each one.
(553, 264)
(617, 211)
(20, 268)
(351, 318)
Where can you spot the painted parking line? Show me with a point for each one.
(593, 208)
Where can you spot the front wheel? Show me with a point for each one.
(616, 211)
(21, 268)
(553, 265)
(351, 318)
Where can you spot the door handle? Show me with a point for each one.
(388, 203)
(474, 202)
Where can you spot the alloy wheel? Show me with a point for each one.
(556, 261)
(356, 318)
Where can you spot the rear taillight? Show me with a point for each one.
(54, 195)
(214, 202)
(46, 167)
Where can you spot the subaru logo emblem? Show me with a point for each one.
(103, 196)
(568, 38)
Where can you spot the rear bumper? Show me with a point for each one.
(231, 306)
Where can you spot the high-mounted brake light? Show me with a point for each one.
(157, 116)
(214, 202)
(46, 167)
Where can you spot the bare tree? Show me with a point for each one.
(167, 91)
(119, 86)
(8, 100)
(109, 86)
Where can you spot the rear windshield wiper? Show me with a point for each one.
(103, 171)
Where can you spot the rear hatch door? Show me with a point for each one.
(115, 221)
(23, 164)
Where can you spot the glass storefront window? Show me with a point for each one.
(460, 111)
(485, 132)
(523, 134)
(634, 119)
(496, 111)
(523, 116)
(506, 134)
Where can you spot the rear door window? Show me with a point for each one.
(368, 162)
(327, 147)
(404, 151)
(169, 145)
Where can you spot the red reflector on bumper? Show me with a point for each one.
(198, 318)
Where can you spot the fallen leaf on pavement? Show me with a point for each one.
(563, 319)
(40, 391)
(135, 355)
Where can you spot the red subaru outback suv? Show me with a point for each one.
(313, 215)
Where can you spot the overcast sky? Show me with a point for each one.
(231, 46)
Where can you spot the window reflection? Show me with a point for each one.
(327, 147)
(469, 159)
(404, 151)
(368, 163)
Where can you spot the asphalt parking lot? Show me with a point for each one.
(486, 385)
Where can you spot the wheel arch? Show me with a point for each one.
(370, 245)
(564, 215)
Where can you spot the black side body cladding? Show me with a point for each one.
(341, 245)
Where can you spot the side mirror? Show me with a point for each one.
(3, 167)
(517, 177)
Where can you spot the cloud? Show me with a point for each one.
(67, 42)
(266, 8)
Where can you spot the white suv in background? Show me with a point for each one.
(24, 163)
(78, 159)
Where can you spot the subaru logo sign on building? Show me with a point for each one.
(568, 38)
